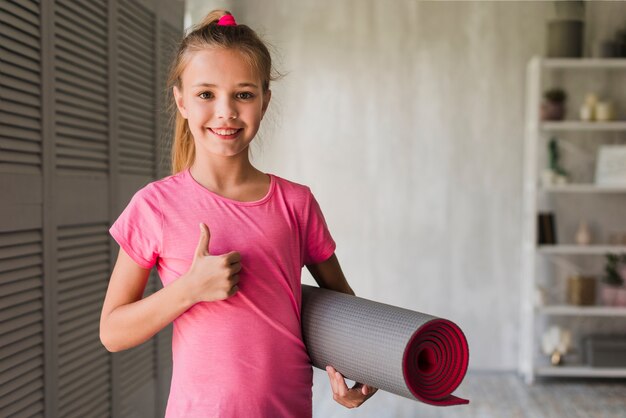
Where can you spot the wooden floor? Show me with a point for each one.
(491, 395)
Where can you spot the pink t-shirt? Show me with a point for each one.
(242, 356)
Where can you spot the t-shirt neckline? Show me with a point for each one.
(264, 199)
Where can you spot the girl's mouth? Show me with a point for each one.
(226, 133)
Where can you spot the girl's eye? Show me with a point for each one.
(245, 95)
(204, 92)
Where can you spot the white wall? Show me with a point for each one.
(406, 120)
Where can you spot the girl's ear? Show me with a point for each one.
(266, 101)
(178, 96)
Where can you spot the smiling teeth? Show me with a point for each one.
(225, 131)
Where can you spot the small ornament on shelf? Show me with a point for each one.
(588, 109)
(555, 174)
(583, 234)
(605, 111)
(613, 282)
(553, 104)
(595, 110)
(556, 342)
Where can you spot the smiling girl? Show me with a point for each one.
(232, 287)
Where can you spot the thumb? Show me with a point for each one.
(203, 244)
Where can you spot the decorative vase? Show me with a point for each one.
(552, 110)
(620, 296)
(604, 111)
(608, 294)
(565, 38)
(583, 235)
(581, 290)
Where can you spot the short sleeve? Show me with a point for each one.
(318, 243)
(138, 229)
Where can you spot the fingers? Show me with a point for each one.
(331, 376)
(233, 290)
(348, 397)
(233, 257)
(203, 244)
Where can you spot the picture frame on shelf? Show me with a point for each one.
(611, 166)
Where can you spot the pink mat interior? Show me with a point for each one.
(435, 362)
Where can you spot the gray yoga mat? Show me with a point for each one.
(411, 354)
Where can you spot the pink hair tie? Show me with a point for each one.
(227, 20)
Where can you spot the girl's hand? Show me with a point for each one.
(212, 277)
(350, 398)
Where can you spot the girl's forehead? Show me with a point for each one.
(219, 66)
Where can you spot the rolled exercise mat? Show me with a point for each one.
(411, 354)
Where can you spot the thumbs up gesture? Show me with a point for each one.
(212, 277)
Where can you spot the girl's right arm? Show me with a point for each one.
(127, 320)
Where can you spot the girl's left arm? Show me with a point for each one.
(328, 275)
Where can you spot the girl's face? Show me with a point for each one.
(222, 100)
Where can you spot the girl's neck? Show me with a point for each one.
(224, 173)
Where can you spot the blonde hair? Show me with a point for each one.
(208, 34)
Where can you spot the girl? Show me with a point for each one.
(234, 294)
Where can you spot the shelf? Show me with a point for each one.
(581, 249)
(576, 125)
(584, 63)
(582, 310)
(581, 371)
(583, 188)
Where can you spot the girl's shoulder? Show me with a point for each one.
(160, 188)
(292, 189)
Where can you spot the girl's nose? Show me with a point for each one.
(226, 109)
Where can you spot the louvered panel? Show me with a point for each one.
(20, 87)
(19, 145)
(76, 274)
(28, 112)
(77, 388)
(66, 46)
(24, 38)
(136, 125)
(83, 71)
(132, 47)
(82, 76)
(21, 315)
(137, 368)
(27, 11)
(83, 262)
(18, 75)
(80, 43)
(139, 114)
(18, 134)
(169, 39)
(133, 142)
(67, 83)
(30, 5)
(67, 97)
(96, 12)
(66, 23)
(69, 142)
(142, 91)
(20, 97)
(67, 132)
(136, 89)
(95, 406)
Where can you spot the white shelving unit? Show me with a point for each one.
(532, 363)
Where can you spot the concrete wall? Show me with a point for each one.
(406, 120)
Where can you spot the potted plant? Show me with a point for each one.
(553, 104)
(613, 290)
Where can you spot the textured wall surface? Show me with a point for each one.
(406, 120)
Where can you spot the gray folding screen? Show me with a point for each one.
(82, 127)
